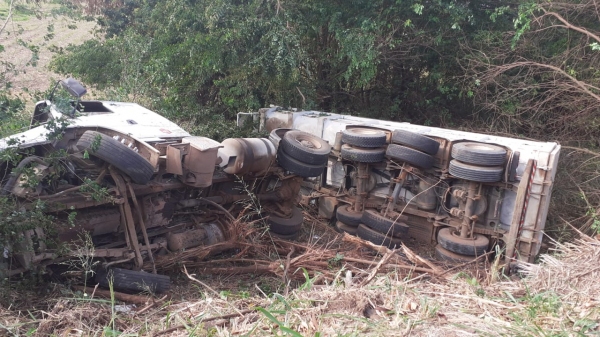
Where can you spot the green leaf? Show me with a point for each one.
(281, 326)
(418, 8)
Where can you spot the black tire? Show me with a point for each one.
(345, 228)
(362, 155)
(410, 156)
(276, 135)
(377, 238)
(286, 226)
(346, 215)
(118, 155)
(133, 281)
(481, 174)
(476, 246)
(290, 237)
(297, 167)
(372, 219)
(364, 137)
(479, 154)
(451, 258)
(305, 147)
(415, 141)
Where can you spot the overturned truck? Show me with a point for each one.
(137, 185)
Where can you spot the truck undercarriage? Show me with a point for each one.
(134, 186)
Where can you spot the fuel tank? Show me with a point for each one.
(247, 155)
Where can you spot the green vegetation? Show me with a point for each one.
(376, 58)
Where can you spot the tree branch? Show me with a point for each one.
(8, 17)
(568, 25)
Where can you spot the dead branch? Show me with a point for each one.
(228, 316)
(375, 270)
(356, 240)
(135, 299)
(582, 85)
(385, 251)
(417, 260)
(151, 305)
(568, 25)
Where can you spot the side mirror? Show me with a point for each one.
(73, 87)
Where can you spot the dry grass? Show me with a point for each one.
(557, 297)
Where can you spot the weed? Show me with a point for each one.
(279, 324)
(428, 309)
(308, 282)
(543, 303)
(83, 262)
(336, 261)
(96, 192)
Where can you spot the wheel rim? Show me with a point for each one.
(477, 146)
(361, 131)
(307, 142)
(456, 234)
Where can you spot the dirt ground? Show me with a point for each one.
(32, 30)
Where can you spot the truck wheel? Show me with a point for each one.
(289, 237)
(364, 137)
(410, 156)
(451, 258)
(415, 141)
(363, 155)
(297, 167)
(276, 135)
(465, 246)
(305, 147)
(348, 216)
(479, 154)
(133, 281)
(344, 228)
(481, 174)
(378, 222)
(377, 238)
(117, 154)
(286, 226)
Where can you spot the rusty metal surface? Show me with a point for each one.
(200, 160)
(174, 155)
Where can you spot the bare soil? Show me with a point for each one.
(30, 77)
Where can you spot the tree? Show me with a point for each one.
(393, 59)
(541, 80)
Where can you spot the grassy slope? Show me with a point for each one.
(559, 297)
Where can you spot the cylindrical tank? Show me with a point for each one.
(247, 155)
(426, 199)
